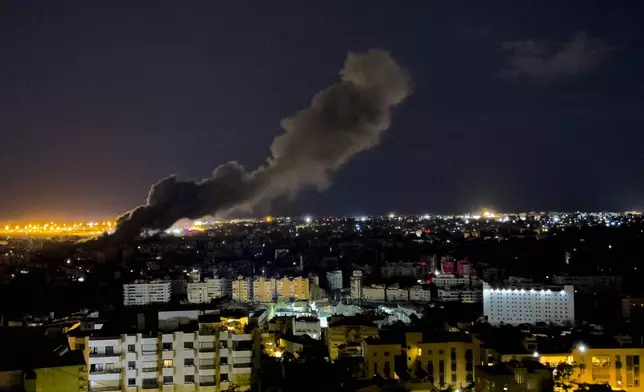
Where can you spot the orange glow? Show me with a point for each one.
(52, 228)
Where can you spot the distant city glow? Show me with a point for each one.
(52, 228)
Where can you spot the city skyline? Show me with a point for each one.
(513, 107)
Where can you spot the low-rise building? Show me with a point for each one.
(345, 335)
(379, 357)
(395, 293)
(448, 359)
(307, 326)
(514, 376)
(618, 367)
(420, 294)
(375, 292)
(631, 305)
(462, 296)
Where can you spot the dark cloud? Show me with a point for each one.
(469, 31)
(543, 62)
(344, 119)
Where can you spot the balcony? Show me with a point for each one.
(150, 386)
(103, 354)
(206, 349)
(105, 389)
(105, 371)
(150, 370)
(206, 366)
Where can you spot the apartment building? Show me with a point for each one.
(419, 294)
(292, 288)
(448, 358)
(264, 290)
(242, 289)
(631, 305)
(375, 292)
(379, 357)
(453, 281)
(462, 296)
(144, 293)
(619, 367)
(334, 280)
(590, 283)
(222, 352)
(206, 291)
(529, 305)
(395, 293)
(345, 335)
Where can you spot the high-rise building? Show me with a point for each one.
(293, 288)
(206, 291)
(529, 305)
(242, 289)
(356, 285)
(264, 290)
(144, 293)
(334, 280)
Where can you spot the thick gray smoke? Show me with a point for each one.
(345, 118)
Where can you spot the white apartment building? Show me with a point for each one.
(334, 280)
(356, 284)
(449, 281)
(462, 296)
(307, 326)
(242, 289)
(375, 292)
(420, 294)
(143, 293)
(209, 289)
(395, 293)
(208, 360)
(529, 305)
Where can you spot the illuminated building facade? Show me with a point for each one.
(379, 357)
(356, 285)
(143, 293)
(619, 367)
(242, 289)
(345, 336)
(334, 280)
(223, 352)
(206, 291)
(293, 288)
(529, 305)
(264, 290)
(449, 359)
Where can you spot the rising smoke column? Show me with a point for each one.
(345, 118)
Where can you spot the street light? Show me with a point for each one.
(582, 348)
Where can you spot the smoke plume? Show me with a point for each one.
(345, 118)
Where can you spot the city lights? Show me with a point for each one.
(51, 228)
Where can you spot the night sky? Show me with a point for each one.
(517, 105)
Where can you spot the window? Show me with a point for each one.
(223, 360)
(109, 350)
(223, 377)
(80, 346)
(189, 362)
(453, 378)
(167, 346)
(131, 348)
(167, 363)
(131, 365)
(189, 379)
(131, 382)
(149, 382)
(167, 379)
(188, 345)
